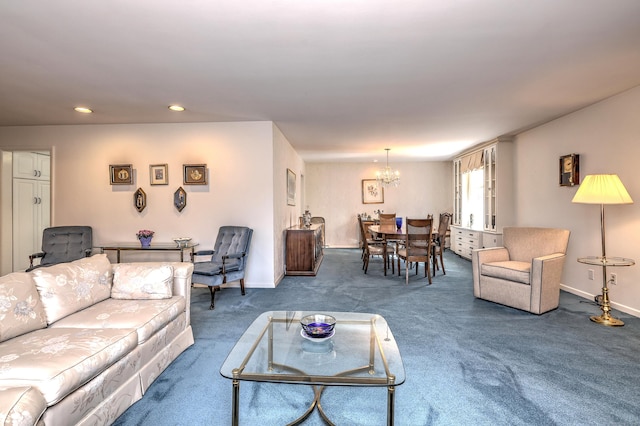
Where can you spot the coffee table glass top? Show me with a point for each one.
(362, 352)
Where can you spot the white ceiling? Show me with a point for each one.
(342, 79)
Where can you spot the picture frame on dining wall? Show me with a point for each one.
(372, 192)
(195, 174)
(121, 174)
(159, 174)
(291, 188)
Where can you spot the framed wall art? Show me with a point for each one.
(372, 192)
(158, 174)
(180, 199)
(139, 200)
(121, 174)
(291, 188)
(195, 174)
(570, 170)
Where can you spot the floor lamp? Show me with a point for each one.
(603, 189)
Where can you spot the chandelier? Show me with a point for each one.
(386, 176)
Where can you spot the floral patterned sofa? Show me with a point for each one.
(80, 342)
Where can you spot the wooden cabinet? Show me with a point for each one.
(303, 250)
(31, 165)
(457, 192)
(498, 185)
(31, 205)
(494, 197)
(463, 241)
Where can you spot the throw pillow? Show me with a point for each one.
(20, 308)
(141, 281)
(66, 288)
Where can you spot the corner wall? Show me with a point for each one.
(607, 137)
(284, 157)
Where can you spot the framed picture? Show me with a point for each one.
(140, 200)
(180, 199)
(158, 174)
(121, 174)
(372, 192)
(291, 188)
(195, 174)
(570, 170)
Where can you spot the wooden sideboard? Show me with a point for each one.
(303, 250)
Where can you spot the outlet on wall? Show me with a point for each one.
(614, 278)
(590, 272)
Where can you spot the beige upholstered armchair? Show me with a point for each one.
(525, 273)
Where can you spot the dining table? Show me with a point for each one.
(387, 232)
(394, 234)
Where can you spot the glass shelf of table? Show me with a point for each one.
(119, 247)
(606, 261)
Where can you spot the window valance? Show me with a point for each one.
(471, 162)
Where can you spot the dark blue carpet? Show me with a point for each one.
(467, 361)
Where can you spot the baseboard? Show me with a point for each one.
(589, 296)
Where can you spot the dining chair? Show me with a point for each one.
(389, 219)
(439, 242)
(371, 247)
(417, 246)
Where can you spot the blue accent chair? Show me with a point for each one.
(228, 259)
(63, 244)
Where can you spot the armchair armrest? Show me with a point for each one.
(34, 256)
(204, 253)
(233, 255)
(493, 254)
(480, 256)
(546, 273)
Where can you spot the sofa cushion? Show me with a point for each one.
(510, 270)
(66, 288)
(147, 317)
(20, 308)
(21, 406)
(140, 281)
(57, 361)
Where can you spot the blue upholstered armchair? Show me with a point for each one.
(63, 244)
(228, 259)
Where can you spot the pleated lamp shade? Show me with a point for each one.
(602, 189)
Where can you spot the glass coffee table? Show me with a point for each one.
(362, 352)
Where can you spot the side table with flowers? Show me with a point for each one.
(145, 236)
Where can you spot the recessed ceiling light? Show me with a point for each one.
(83, 110)
(176, 108)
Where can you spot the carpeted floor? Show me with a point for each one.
(467, 361)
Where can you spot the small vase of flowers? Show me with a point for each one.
(145, 236)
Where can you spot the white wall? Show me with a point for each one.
(333, 191)
(238, 156)
(607, 137)
(285, 157)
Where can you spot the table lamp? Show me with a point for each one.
(603, 189)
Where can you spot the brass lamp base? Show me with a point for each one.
(607, 320)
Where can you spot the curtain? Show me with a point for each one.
(471, 162)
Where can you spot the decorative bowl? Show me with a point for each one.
(182, 241)
(318, 326)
